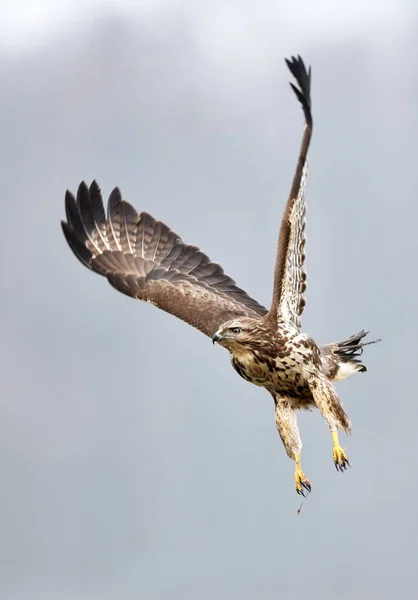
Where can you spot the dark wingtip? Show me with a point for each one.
(115, 198)
(71, 209)
(83, 188)
(95, 188)
(78, 247)
(303, 77)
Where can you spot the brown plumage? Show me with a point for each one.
(143, 258)
(289, 275)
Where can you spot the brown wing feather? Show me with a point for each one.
(145, 259)
(289, 276)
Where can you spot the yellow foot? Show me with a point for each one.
(301, 481)
(340, 458)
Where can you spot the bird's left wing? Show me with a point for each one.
(289, 275)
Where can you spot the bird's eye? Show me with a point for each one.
(236, 330)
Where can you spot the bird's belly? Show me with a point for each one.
(279, 375)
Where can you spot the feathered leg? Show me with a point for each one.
(288, 429)
(331, 409)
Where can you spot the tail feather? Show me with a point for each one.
(341, 359)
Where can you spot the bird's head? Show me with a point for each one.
(238, 334)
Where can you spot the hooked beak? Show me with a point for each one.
(216, 337)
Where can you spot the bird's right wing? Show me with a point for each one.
(144, 259)
(289, 275)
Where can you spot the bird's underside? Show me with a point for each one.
(145, 259)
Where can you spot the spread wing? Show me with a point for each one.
(144, 259)
(289, 275)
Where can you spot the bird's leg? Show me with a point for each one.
(288, 429)
(331, 409)
(302, 483)
(340, 457)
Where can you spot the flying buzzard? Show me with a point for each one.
(145, 259)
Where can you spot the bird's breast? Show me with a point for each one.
(280, 372)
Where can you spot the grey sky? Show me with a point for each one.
(135, 462)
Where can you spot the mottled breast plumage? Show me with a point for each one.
(281, 365)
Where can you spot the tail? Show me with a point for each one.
(341, 359)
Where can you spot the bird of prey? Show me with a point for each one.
(143, 258)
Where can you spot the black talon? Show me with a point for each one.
(307, 486)
(341, 465)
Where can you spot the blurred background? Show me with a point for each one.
(134, 462)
